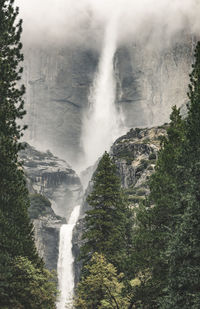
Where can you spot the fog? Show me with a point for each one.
(154, 23)
(83, 21)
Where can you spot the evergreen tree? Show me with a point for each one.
(29, 287)
(16, 231)
(157, 216)
(193, 118)
(184, 248)
(107, 220)
(16, 234)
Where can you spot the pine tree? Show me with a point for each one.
(184, 248)
(13, 193)
(16, 230)
(107, 220)
(29, 287)
(193, 118)
(157, 216)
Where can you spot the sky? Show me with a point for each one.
(84, 21)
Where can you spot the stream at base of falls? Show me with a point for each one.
(65, 262)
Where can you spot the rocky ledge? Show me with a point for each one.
(54, 189)
(52, 177)
(135, 156)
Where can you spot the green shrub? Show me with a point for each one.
(143, 165)
(130, 191)
(146, 140)
(39, 205)
(135, 198)
(141, 192)
(152, 156)
(127, 155)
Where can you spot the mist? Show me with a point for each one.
(105, 25)
(82, 21)
(102, 123)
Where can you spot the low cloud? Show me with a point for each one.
(84, 21)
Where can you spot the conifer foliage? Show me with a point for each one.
(183, 252)
(107, 220)
(105, 252)
(166, 240)
(16, 232)
(156, 216)
(16, 229)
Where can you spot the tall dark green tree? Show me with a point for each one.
(107, 221)
(16, 231)
(184, 248)
(13, 193)
(156, 217)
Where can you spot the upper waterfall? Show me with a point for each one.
(102, 122)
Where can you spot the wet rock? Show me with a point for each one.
(47, 229)
(54, 189)
(52, 177)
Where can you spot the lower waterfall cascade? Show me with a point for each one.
(65, 262)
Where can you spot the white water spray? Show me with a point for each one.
(102, 124)
(65, 262)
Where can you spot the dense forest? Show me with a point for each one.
(148, 257)
(144, 257)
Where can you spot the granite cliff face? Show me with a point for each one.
(135, 157)
(151, 81)
(54, 190)
(58, 81)
(53, 178)
(47, 231)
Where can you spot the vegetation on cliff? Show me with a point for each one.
(18, 256)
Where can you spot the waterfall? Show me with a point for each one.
(102, 123)
(65, 262)
(101, 126)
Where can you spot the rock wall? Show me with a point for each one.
(47, 230)
(135, 155)
(57, 82)
(152, 80)
(54, 190)
(53, 178)
(58, 79)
